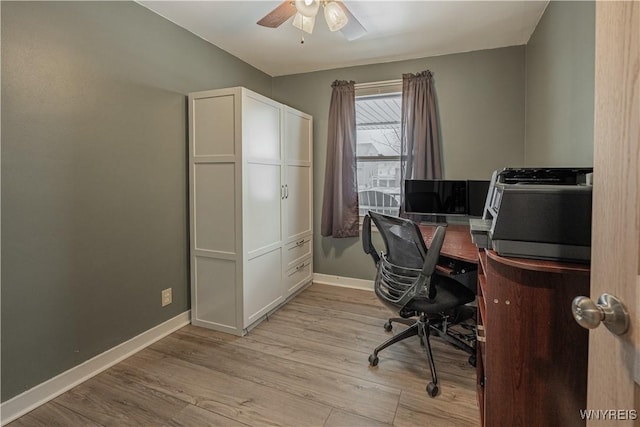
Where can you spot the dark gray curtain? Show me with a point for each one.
(420, 144)
(340, 200)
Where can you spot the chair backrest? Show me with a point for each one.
(402, 239)
(406, 268)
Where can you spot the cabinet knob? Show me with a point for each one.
(609, 310)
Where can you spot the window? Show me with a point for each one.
(378, 110)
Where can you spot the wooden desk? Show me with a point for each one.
(457, 242)
(532, 355)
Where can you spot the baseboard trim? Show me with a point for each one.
(343, 282)
(52, 388)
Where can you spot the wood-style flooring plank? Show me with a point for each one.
(112, 401)
(455, 408)
(304, 366)
(232, 397)
(54, 415)
(362, 397)
(457, 385)
(347, 300)
(352, 361)
(340, 418)
(192, 416)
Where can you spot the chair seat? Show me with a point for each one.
(449, 294)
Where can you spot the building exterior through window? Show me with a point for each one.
(378, 110)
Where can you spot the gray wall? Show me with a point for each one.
(560, 86)
(480, 97)
(94, 176)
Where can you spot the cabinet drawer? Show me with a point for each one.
(297, 250)
(298, 275)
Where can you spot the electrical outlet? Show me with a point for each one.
(167, 297)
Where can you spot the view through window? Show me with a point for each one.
(378, 152)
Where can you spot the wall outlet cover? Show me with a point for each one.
(167, 297)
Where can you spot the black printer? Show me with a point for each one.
(542, 213)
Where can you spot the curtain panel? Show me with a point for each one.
(340, 199)
(420, 142)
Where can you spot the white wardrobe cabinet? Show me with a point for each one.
(250, 180)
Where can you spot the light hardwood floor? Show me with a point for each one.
(306, 366)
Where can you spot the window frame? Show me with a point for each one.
(363, 90)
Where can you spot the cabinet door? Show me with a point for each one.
(261, 136)
(262, 286)
(298, 200)
(263, 190)
(263, 193)
(262, 208)
(298, 178)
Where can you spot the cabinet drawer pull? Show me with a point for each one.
(300, 267)
(300, 243)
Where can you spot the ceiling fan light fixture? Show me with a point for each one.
(308, 8)
(304, 23)
(335, 16)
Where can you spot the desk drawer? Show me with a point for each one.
(297, 250)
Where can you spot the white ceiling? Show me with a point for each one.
(396, 30)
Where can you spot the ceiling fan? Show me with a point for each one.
(338, 17)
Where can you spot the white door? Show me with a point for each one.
(614, 360)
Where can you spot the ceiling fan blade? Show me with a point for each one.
(277, 16)
(354, 29)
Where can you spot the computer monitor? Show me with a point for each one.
(435, 197)
(476, 196)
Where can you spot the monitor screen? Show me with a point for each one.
(435, 197)
(477, 195)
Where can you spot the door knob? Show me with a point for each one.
(609, 310)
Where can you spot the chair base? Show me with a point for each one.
(421, 328)
(388, 325)
(441, 327)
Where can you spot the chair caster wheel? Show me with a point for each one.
(373, 360)
(387, 326)
(472, 361)
(432, 389)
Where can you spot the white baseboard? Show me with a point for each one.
(44, 392)
(344, 282)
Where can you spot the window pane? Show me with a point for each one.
(378, 142)
(379, 186)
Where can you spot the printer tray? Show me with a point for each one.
(480, 232)
(547, 251)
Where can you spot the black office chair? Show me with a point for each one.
(407, 283)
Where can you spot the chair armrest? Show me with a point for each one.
(433, 254)
(367, 246)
